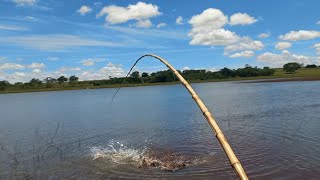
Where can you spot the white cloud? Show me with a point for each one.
(301, 58)
(110, 70)
(64, 70)
(55, 42)
(36, 65)
(241, 19)
(179, 20)
(207, 29)
(186, 68)
(88, 62)
(244, 43)
(84, 10)
(37, 71)
(207, 20)
(25, 2)
(20, 74)
(273, 59)
(278, 60)
(214, 37)
(160, 25)
(300, 35)
(12, 28)
(87, 75)
(2, 59)
(264, 35)
(143, 23)
(213, 69)
(9, 66)
(318, 23)
(317, 47)
(30, 18)
(102, 73)
(245, 54)
(139, 11)
(283, 45)
(91, 61)
(27, 76)
(285, 52)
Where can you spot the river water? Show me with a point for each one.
(272, 127)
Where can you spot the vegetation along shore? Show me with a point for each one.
(289, 72)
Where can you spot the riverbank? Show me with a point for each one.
(284, 80)
(278, 76)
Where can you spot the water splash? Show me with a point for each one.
(116, 153)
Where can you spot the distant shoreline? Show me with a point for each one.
(260, 79)
(284, 80)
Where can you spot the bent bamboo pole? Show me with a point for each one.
(221, 138)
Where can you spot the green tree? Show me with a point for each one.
(291, 67)
(35, 82)
(165, 76)
(4, 85)
(226, 72)
(18, 84)
(62, 79)
(49, 80)
(73, 78)
(135, 74)
(311, 66)
(144, 74)
(266, 71)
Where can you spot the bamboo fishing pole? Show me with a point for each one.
(235, 163)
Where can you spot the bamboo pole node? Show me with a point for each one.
(207, 112)
(235, 163)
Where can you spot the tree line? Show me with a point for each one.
(293, 66)
(156, 77)
(34, 83)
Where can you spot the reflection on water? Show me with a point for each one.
(159, 131)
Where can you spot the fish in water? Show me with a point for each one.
(153, 158)
(167, 161)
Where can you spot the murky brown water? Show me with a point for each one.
(272, 127)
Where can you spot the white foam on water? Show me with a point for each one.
(117, 152)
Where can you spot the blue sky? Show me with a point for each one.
(99, 39)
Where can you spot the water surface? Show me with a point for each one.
(272, 127)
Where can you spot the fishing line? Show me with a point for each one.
(235, 163)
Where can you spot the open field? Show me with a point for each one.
(280, 76)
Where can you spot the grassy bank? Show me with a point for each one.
(301, 75)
